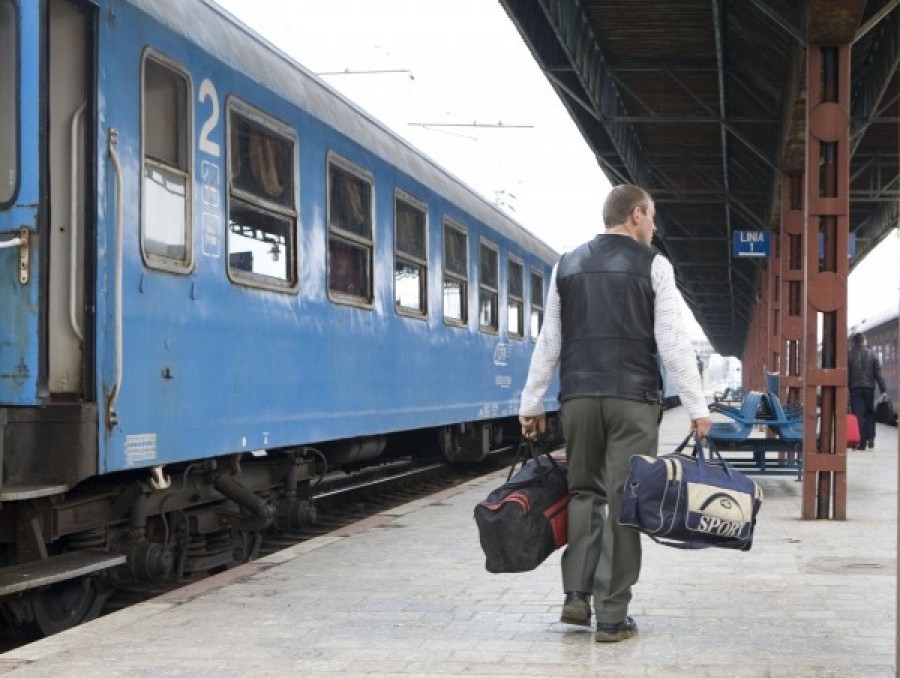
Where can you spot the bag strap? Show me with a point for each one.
(698, 454)
(688, 545)
(692, 545)
(531, 448)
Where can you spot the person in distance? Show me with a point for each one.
(863, 372)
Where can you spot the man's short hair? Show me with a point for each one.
(621, 201)
(857, 338)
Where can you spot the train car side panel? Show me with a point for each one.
(20, 297)
(231, 365)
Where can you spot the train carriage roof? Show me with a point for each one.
(216, 31)
(875, 321)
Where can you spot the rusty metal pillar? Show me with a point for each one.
(761, 326)
(752, 360)
(773, 308)
(827, 267)
(792, 274)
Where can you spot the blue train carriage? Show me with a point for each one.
(881, 331)
(211, 263)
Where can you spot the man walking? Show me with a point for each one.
(864, 371)
(612, 306)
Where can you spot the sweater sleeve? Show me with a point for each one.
(673, 342)
(545, 357)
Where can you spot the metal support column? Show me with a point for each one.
(753, 358)
(827, 268)
(792, 275)
(773, 307)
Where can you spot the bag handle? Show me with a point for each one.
(698, 454)
(531, 448)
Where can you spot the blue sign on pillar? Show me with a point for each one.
(746, 244)
(851, 246)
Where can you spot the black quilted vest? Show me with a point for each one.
(606, 296)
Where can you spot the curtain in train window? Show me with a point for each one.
(456, 274)
(515, 305)
(350, 246)
(487, 287)
(537, 303)
(166, 188)
(261, 213)
(410, 258)
(8, 100)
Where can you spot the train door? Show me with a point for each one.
(70, 114)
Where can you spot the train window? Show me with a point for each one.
(261, 212)
(456, 273)
(9, 146)
(410, 255)
(537, 303)
(350, 241)
(488, 286)
(515, 303)
(165, 232)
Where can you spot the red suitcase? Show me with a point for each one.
(852, 431)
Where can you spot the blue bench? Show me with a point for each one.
(731, 395)
(787, 426)
(743, 420)
(780, 454)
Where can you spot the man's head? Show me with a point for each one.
(858, 339)
(630, 208)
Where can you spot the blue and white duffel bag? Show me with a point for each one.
(690, 502)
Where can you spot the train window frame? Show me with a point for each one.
(166, 169)
(486, 290)
(9, 103)
(346, 238)
(257, 204)
(515, 300)
(411, 259)
(455, 277)
(533, 307)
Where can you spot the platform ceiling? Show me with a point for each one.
(702, 102)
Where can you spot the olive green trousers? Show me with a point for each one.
(602, 557)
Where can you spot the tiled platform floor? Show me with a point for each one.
(406, 594)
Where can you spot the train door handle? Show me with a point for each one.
(23, 242)
(112, 417)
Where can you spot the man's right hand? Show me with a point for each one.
(533, 426)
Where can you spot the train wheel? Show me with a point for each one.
(62, 606)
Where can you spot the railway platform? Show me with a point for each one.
(406, 593)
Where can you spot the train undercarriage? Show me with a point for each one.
(64, 552)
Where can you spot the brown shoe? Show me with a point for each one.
(576, 609)
(613, 633)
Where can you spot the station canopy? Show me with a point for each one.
(702, 102)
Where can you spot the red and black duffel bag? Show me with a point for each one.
(524, 520)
